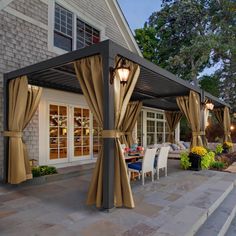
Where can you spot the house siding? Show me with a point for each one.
(23, 43)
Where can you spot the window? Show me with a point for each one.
(140, 129)
(63, 28)
(154, 127)
(68, 37)
(86, 35)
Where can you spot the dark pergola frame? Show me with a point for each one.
(108, 51)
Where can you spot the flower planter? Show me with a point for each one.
(225, 150)
(195, 161)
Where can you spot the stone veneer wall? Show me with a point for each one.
(23, 43)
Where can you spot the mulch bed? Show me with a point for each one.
(228, 158)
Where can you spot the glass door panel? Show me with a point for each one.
(58, 132)
(160, 131)
(81, 132)
(97, 141)
(150, 132)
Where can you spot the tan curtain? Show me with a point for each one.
(89, 74)
(172, 118)
(223, 117)
(23, 102)
(130, 118)
(205, 115)
(227, 124)
(219, 114)
(122, 95)
(190, 107)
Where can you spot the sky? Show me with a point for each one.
(137, 12)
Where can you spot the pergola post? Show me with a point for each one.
(5, 127)
(202, 117)
(108, 124)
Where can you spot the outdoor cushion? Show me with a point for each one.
(181, 145)
(187, 145)
(174, 146)
(135, 165)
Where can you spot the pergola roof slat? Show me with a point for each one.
(156, 87)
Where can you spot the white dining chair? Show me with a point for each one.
(162, 160)
(144, 166)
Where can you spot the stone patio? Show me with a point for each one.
(175, 205)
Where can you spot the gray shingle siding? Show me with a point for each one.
(23, 43)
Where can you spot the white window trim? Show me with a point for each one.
(77, 13)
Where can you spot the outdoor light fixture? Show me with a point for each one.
(209, 105)
(122, 69)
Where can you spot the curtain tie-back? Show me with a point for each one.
(113, 133)
(15, 134)
(197, 133)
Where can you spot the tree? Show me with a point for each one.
(183, 43)
(188, 36)
(210, 84)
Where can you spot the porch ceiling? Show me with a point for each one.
(156, 87)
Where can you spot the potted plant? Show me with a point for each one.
(227, 146)
(195, 157)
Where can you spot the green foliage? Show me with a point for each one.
(210, 84)
(207, 160)
(218, 165)
(43, 170)
(184, 160)
(219, 149)
(185, 37)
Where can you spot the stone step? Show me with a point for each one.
(219, 221)
(200, 204)
(232, 228)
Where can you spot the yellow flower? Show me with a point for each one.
(227, 145)
(199, 150)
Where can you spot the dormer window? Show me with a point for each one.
(70, 32)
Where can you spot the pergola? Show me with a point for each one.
(156, 88)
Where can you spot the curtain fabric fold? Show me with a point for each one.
(90, 77)
(130, 118)
(227, 124)
(122, 95)
(223, 117)
(205, 115)
(89, 74)
(172, 118)
(23, 102)
(191, 107)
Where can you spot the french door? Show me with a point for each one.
(73, 134)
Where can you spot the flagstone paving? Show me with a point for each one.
(58, 208)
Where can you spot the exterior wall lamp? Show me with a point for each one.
(122, 69)
(209, 105)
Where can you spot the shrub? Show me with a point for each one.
(217, 165)
(207, 160)
(184, 160)
(219, 149)
(43, 170)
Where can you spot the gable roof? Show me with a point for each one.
(123, 26)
